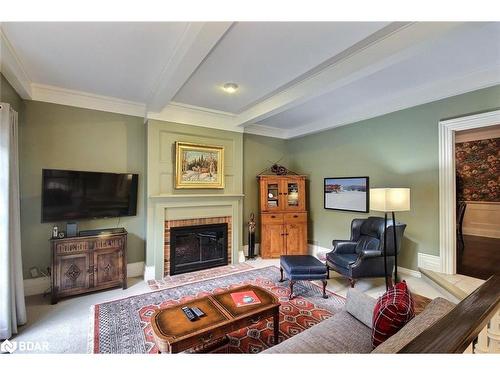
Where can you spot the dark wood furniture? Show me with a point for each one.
(454, 332)
(303, 267)
(174, 333)
(461, 207)
(86, 263)
(283, 215)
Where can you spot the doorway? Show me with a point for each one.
(447, 182)
(477, 167)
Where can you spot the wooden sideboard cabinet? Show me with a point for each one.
(87, 263)
(283, 216)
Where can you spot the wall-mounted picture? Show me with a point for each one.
(199, 166)
(347, 194)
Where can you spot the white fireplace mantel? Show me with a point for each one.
(162, 208)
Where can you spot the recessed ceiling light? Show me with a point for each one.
(230, 88)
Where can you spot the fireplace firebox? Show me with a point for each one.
(198, 247)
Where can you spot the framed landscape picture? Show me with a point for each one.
(199, 166)
(347, 194)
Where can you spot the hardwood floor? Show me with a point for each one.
(480, 257)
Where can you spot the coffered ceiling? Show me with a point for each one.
(294, 78)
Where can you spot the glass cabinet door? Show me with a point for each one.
(272, 195)
(293, 190)
(292, 196)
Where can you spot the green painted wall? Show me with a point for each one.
(259, 153)
(398, 149)
(395, 150)
(9, 95)
(56, 136)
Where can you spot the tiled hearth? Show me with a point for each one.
(192, 222)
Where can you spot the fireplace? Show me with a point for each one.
(198, 247)
(181, 264)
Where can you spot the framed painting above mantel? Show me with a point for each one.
(347, 194)
(199, 166)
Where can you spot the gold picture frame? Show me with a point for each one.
(199, 166)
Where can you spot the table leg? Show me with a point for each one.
(276, 326)
(324, 289)
(291, 289)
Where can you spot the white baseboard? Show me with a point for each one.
(409, 272)
(429, 262)
(257, 249)
(316, 250)
(36, 286)
(40, 284)
(149, 273)
(135, 269)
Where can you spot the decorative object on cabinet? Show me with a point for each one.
(199, 166)
(346, 194)
(279, 170)
(390, 200)
(87, 263)
(283, 215)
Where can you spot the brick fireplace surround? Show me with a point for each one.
(189, 222)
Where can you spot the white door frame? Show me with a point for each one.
(447, 192)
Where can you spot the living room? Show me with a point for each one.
(170, 190)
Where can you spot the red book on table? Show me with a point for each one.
(245, 298)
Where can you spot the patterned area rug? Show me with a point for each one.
(123, 326)
(191, 277)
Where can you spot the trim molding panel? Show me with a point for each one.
(447, 188)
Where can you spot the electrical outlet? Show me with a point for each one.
(34, 272)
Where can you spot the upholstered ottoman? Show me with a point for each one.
(303, 267)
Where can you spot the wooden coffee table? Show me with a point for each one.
(174, 333)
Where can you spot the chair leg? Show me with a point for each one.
(291, 289)
(281, 280)
(327, 272)
(352, 282)
(324, 289)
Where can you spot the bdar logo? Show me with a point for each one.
(8, 346)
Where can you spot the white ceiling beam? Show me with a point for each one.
(410, 97)
(400, 41)
(192, 48)
(12, 69)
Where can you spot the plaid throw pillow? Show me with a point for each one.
(392, 311)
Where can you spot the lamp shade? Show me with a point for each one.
(390, 199)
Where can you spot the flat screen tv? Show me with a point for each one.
(74, 195)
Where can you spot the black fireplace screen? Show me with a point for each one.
(197, 247)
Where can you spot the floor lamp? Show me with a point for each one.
(390, 200)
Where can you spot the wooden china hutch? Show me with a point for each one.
(283, 215)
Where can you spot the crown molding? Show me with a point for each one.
(57, 95)
(412, 97)
(267, 131)
(12, 68)
(198, 116)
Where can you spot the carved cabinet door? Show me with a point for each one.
(107, 267)
(272, 240)
(73, 272)
(296, 239)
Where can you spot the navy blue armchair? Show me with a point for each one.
(363, 255)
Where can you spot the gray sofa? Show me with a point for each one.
(349, 331)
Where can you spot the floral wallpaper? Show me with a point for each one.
(478, 167)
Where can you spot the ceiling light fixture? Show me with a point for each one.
(230, 88)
